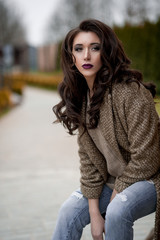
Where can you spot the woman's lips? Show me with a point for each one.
(87, 66)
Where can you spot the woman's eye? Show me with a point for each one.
(78, 49)
(96, 48)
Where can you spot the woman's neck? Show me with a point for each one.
(91, 93)
(90, 83)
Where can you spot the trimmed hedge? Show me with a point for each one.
(15, 83)
(42, 80)
(5, 101)
(12, 84)
(141, 43)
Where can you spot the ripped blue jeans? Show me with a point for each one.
(134, 202)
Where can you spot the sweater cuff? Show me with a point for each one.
(91, 193)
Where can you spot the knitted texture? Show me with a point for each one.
(129, 123)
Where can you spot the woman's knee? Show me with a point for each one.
(118, 210)
(66, 211)
(74, 210)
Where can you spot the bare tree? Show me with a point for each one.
(11, 28)
(69, 13)
(103, 10)
(138, 11)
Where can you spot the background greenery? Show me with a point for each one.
(141, 44)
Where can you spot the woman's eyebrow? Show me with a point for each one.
(80, 44)
(98, 43)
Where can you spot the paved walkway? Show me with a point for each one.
(39, 168)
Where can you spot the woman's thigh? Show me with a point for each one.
(135, 202)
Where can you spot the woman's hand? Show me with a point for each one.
(113, 194)
(97, 226)
(97, 221)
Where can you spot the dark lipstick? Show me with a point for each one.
(87, 66)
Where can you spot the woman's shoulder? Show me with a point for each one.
(126, 87)
(133, 90)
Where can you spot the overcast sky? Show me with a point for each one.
(35, 14)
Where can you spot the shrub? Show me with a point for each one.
(5, 101)
(141, 43)
(15, 83)
(43, 80)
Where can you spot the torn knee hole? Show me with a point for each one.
(122, 196)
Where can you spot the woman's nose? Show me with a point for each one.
(87, 55)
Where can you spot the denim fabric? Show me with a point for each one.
(134, 202)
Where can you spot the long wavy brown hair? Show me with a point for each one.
(73, 89)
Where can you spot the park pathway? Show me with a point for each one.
(39, 168)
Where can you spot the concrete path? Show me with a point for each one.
(39, 169)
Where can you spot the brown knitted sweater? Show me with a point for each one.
(129, 123)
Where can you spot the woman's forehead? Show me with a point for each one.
(86, 38)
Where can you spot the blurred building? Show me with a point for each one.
(47, 58)
(19, 58)
(32, 58)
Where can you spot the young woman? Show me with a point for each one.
(114, 114)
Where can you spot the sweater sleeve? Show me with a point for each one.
(142, 126)
(93, 171)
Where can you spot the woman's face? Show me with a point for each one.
(87, 53)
